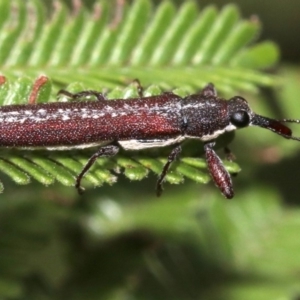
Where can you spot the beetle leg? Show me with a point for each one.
(168, 93)
(140, 89)
(109, 150)
(99, 96)
(172, 156)
(229, 155)
(220, 176)
(209, 91)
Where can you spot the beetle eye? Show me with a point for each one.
(240, 119)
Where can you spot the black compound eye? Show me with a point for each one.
(240, 119)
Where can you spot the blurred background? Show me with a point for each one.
(121, 242)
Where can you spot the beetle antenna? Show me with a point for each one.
(289, 121)
(276, 126)
(291, 137)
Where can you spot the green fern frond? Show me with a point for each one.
(166, 46)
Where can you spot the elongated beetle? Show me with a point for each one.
(134, 124)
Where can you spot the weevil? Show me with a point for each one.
(134, 124)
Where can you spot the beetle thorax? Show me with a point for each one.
(206, 117)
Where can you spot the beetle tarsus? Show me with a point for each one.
(79, 188)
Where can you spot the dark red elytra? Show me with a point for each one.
(132, 124)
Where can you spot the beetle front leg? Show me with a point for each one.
(219, 174)
(229, 155)
(172, 156)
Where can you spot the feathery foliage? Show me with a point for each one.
(169, 46)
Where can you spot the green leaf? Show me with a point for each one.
(259, 56)
(105, 54)
(216, 37)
